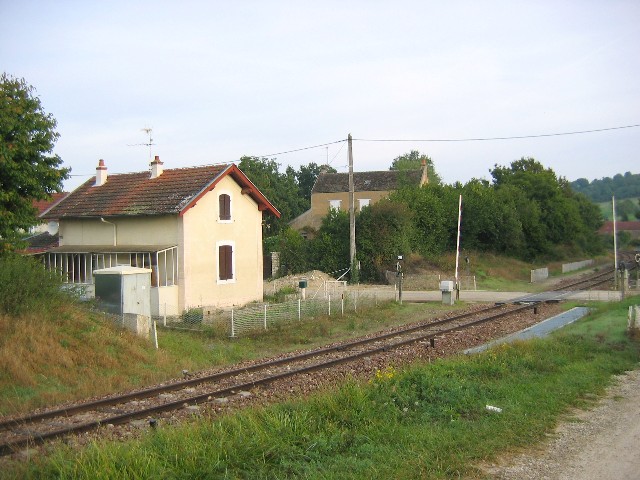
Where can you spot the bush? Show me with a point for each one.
(26, 286)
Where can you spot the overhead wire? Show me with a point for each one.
(485, 139)
(472, 139)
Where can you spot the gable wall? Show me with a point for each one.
(203, 232)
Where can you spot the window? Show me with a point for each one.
(225, 207)
(225, 263)
(363, 202)
(335, 204)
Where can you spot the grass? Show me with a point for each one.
(426, 421)
(497, 273)
(607, 210)
(70, 353)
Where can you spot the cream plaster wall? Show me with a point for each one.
(320, 203)
(160, 230)
(203, 231)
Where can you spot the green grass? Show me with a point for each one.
(427, 421)
(72, 354)
(607, 210)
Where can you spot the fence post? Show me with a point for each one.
(233, 329)
(155, 334)
(265, 316)
(329, 305)
(299, 310)
(342, 304)
(164, 316)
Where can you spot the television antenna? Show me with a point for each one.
(148, 131)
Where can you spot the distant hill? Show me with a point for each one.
(622, 186)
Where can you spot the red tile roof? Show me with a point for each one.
(386, 180)
(607, 227)
(42, 205)
(133, 194)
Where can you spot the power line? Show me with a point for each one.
(486, 139)
(304, 148)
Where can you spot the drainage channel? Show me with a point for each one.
(538, 330)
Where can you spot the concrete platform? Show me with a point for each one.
(485, 296)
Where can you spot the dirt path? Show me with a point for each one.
(602, 443)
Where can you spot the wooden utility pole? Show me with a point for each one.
(615, 244)
(352, 214)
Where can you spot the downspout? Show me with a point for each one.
(115, 231)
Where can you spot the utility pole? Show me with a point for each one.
(352, 215)
(615, 244)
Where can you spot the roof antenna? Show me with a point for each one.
(148, 131)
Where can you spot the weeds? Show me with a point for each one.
(26, 286)
(427, 421)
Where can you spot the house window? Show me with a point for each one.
(226, 263)
(335, 204)
(225, 207)
(363, 202)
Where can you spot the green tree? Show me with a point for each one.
(625, 210)
(550, 211)
(280, 188)
(413, 161)
(294, 251)
(384, 231)
(329, 250)
(433, 217)
(306, 177)
(28, 169)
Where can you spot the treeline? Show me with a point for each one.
(526, 212)
(289, 191)
(622, 186)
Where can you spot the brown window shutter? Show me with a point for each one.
(225, 206)
(225, 259)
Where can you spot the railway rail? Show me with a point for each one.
(17, 433)
(21, 432)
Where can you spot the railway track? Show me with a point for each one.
(22, 432)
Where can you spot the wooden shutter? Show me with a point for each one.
(225, 206)
(225, 262)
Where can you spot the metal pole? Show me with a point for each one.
(458, 248)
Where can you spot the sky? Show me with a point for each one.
(217, 80)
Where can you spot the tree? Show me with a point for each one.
(329, 250)
(625, 210)
(280, 188)
(384, 231)
(551, 213)
(28, 169)
(413, 161)
(306, 177)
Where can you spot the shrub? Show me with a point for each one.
(26, 286)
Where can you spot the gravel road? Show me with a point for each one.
(601, 443)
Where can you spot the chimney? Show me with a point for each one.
(101, 174)
(425, 174)
(156, 167)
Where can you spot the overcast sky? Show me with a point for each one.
(217, 80)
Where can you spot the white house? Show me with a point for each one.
(198, 229)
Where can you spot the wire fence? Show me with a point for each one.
(238, 321)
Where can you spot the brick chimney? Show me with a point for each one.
(101, 174)
(156, 167)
